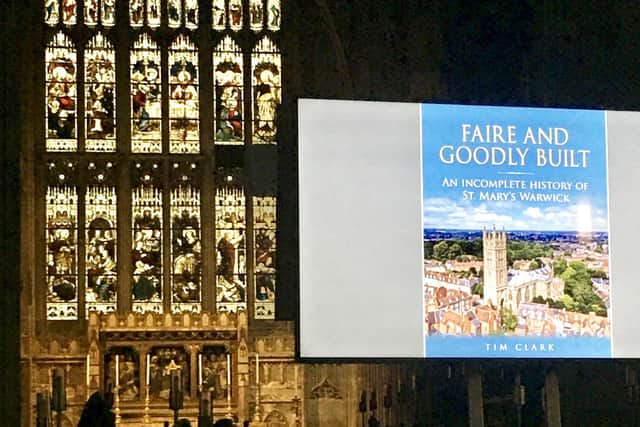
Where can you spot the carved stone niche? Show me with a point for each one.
(275, 419)
(325, 390)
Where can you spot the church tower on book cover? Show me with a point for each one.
(494, 254)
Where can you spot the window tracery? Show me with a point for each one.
(163, 271)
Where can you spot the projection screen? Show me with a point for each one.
(466, 231)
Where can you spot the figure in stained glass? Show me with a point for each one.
(230, 249)
(191, 13)
(264, 214)
(219, 14)
(183, 106)
(147, 243)
(266, 90)
(61, 253)
(61, 95)
(136, 12)
(91, 12)
(69, 11)
(186, 249)
(273, 21)
(153, 13)
(100, 82)
(257, 14)
(51, 11)
(235, 14)
(145, 97)
(174, 12)
(228, 90)
(108, 12)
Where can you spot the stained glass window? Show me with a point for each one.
(183, 102)
(227, 63)
(273, 15)
(108, 12)
(61, 94)
(69, 11)
(185, 249)
(91, 12)
(153, 13)
(147, 241)
(146, 110)
(100, 88)
(219, 14)
(191, 14)
(61, 238)
(136, 13)
(264, 231)
(51, 11)
(235, 14)
(266, 78)
(230, 246)
(165, 360)
(101, 231)
(174, 10)
(257, 15)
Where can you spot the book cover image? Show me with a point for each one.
(515, 230)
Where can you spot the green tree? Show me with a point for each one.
(441, 250)
(509, 320)
(533, 265)
(559, 266)
(478, 289)
(455, 250)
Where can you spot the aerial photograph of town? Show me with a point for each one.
(522, 283)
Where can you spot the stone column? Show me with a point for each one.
(474, 394)
(552, 399)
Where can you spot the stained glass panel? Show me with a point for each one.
(257, 15)
(266, 80)
(183, 102)
(235, 14)
(91, 11)
(61, 94)
(147, 248)
(136, 13)
(227, 62)
(219, 14)
(100, 82)
(51, 11)
(230, 247)
(191, 14)
(146, 108)
(185, 249)
(164, 360)
(174, 10)
(153, 13)
(101, 231)
(273, 17)
(108, 12)
(61, 238)
(69, 11)
(264, 231)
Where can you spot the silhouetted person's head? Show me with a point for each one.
(97, 413)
